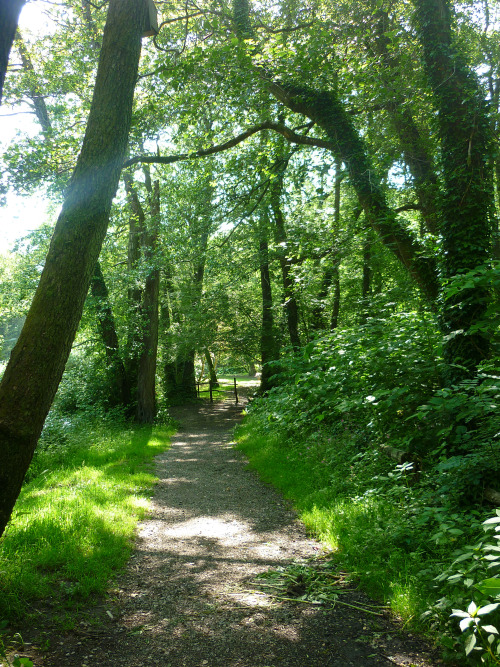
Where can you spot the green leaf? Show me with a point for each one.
(469, 644)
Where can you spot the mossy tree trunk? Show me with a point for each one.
(325, 108)
(119, 390)
(37, 362)
(468, 199)
(416, 149)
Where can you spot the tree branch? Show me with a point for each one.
(282, 129)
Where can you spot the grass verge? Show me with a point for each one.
(367, 532)
(74, 522)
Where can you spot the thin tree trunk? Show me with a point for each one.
(146, 380)
(180, 378)
(366, 279)
(37, 362)
(268, 342)
(291, 306)
(137, 224)
(331, 276)
(35, 94)
(336, 230)
(334, 322)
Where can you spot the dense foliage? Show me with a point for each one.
(312, 189)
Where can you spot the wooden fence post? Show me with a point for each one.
(235, 391)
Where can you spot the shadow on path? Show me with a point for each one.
(185, 599)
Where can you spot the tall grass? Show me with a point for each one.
(74, 523)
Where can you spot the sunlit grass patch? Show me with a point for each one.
(361, 530)
(74, 522)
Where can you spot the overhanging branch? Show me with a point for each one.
(289, 134)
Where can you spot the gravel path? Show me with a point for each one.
(186, 598)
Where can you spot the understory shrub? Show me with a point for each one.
(323, 433)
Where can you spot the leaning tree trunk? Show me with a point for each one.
(37, 362)
(9, 16)
(326, 109)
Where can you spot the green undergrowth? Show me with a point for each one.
(402, 542)
(338, 508)
(418, 535)
(73, 525)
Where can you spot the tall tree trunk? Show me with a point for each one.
(290, 302)
(119, 392)
(37, 362)
(331, 276)
(337, 257)
(466, 142)
(366, 278)
(318, 321)
(334, 321)
(146, 380)
(137, 225)
(9, 17)
(211, 368)
(180, 378)
(268, 342)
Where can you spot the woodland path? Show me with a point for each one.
(186, 598)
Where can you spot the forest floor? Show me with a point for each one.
(188, 596)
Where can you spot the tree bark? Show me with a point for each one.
(466, 143)
(331, 276)
(290, 302)
(415, 149)
(37, 362)
(146, 380)
(119, 391)
(325, 109)
(9, 17)
(268, 342)
(137, 224)
(211, 368)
